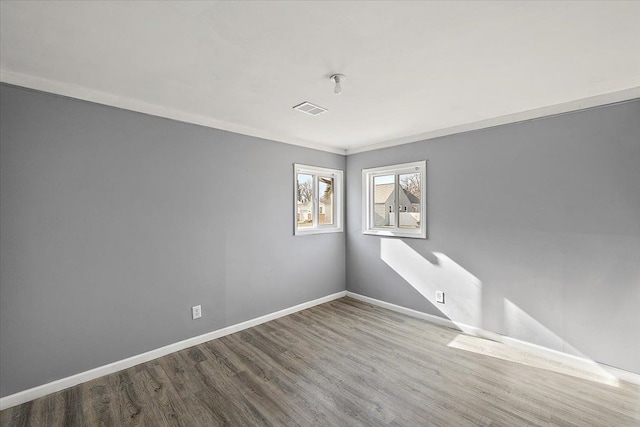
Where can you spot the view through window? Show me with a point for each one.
(393, 200)
(318, 193)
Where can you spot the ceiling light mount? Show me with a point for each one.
(337, 79)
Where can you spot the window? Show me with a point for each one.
(394, 200)
(318, 200)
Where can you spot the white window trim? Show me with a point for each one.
(367, 199)
(338, 200)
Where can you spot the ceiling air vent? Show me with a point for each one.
(309, 108)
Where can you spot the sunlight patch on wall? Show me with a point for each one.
(521, 325)
(463, 291)
(560, 363)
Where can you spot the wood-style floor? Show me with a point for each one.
(344, 363)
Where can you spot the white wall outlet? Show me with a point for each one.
(196, 311)
(440, 297)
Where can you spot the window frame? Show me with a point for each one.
(338, 199)
(368, 201)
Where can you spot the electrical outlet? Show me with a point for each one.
(440, 297)
(196, 311)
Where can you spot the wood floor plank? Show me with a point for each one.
(98, 411)
(129, 408)
(160, 397)
(37, 413)
(344, 363)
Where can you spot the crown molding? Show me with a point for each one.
(131, 104)
(123, 102)
(537, 113)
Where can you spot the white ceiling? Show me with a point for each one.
(414, 69)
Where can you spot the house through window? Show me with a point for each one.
(394, 200)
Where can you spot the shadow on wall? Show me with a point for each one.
(463, 306)
(463, 291)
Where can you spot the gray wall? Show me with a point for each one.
(544, 214)
(114, 223)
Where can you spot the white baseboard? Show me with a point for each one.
(621, 374)
(63, 383)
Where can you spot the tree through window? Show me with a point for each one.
(318, 197)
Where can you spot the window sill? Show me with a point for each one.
(396, 233)
(317, 231)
